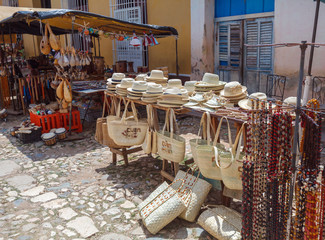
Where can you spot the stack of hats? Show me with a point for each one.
(137, 90)
(173, 97)
(112, 82)
(157, 76)
(190, 86)
(210, 82)
(121, 89)
(153, 92)
(234, 92)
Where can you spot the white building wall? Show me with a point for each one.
(293, 22)
(202, 38)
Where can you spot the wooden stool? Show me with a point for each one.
(124, 152)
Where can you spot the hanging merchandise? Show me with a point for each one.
(45, 44)
(146, 40)
(135, 42)
(150, 142)
(54, 40)
(153, 40)
(308, 221)
(170, 146)
(267, 173)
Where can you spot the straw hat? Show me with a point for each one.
(210, 79)
(117, 77)
(125, 83)
(233, 90)
(138, 87)
(141, 77)
(157, 75)
(190, 85)
(247, 103)
(291, 101)
(174, 83)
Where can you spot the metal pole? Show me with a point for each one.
(177, 70)
(303, 48)
(313, 38)
(70, 114)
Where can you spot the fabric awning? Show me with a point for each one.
(27, 20)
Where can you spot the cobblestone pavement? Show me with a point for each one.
(72, 191)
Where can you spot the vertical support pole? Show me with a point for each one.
(177, 69)
(70, 114)
(303, 48)
(98, 46)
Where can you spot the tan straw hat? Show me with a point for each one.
(233, 90)
(248, 103)
(157, 75)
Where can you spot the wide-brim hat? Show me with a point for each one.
(247, 103)
(177, 83)
(291, 101)
(151, 95)
(231, 87)
(157, 75)
(117, 76)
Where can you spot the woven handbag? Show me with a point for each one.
(199, 192)
(170, 146)
(231, 175)
(128, 131)
(221, 222)
(99, 123)
(148, 143)
(162, 206)
(208, 155)
(205, 127)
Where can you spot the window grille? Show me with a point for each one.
(10, 3)
(132, 11)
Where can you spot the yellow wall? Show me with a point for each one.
(176, 14)
(102, 7)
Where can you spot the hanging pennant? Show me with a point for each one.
(135, 42)
(146, 40)
(153, 40)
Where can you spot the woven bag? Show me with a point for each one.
(222, 223)
(147, 145)
(205, 127)
(128, 131)
(208, 155)
(231, 175)
(161, 207)
(200, 189)
(170, 146)
(99, 123)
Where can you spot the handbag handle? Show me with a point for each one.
(169, 122)
(161, 202)
(218, 132)
(134, 111)
(150, 116)
(205, 126)
(104, 106)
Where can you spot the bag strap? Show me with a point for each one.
(134, 111)
(218, 132)
(238, 141)
(166, 125)
(105, 105)
(189, 190)
(205, 127)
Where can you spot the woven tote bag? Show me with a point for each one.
(231, 175)
(161, 207)
(128, 131)
(99, 123)
(208, 155)
(222, 223)
(170, 146)
(200, 189)
(205, 127)
(148, 143)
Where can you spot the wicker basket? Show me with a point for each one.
(61, 133)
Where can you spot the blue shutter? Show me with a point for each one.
(237, 7)
(223, 45)
(268, 6)
(251, 39)
(254, 6)
(266, 37)
(222, 8)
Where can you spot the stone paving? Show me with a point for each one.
(73, 191)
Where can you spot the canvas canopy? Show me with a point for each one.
(27, 20)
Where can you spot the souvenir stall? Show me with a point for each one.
(69, 67)
(259, 166)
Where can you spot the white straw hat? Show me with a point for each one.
(125, 83)
(117, 77)
(233, 90)
(247, 103)
(156, 75)
(141, 77)
(138, 87)
(210, 79)
(154, 89)
(174, 83)
(291, 101)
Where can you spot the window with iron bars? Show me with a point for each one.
(79, 41)
(132, 11)
(10, 3)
